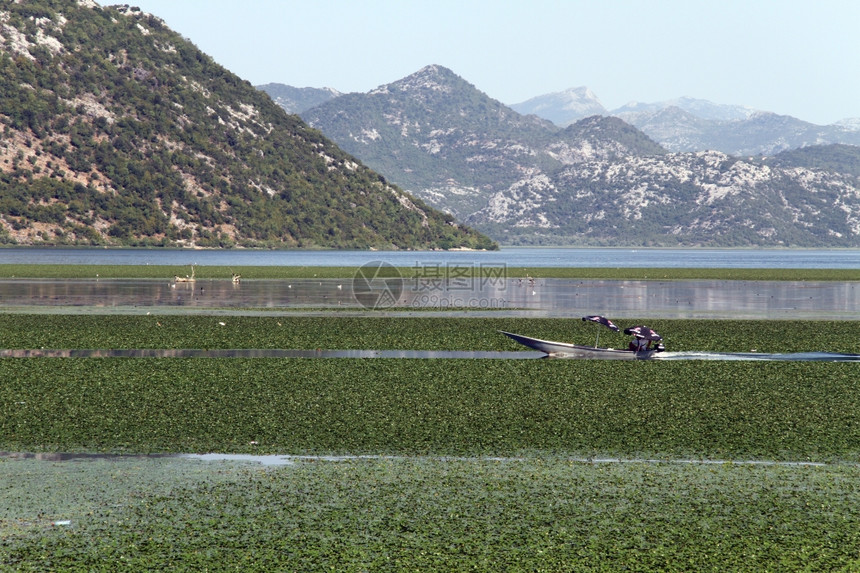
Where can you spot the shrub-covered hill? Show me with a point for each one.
(116, 130)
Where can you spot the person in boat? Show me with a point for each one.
(639, 344)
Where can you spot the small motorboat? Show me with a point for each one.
(566, 350)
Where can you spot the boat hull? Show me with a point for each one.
(565, 350)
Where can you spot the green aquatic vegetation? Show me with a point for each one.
(426, 514)
(725, 410)
(394, 333)
(441, 503)
(37, 493)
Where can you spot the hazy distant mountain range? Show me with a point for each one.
(682, 124)
(297, 100)
(601, 180)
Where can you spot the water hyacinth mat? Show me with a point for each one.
(471, 464)
(425, 513)
(799, 411)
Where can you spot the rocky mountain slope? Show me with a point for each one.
(684, 199)
(436, 134)
(116, 130)
(599, 181)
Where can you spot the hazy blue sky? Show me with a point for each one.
(794, 57)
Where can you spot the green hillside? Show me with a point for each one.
(115, 130)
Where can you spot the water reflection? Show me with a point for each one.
(693, 299)
(545, 297)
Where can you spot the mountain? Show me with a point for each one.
(700, 108)
(452, 145)
(761, 133)
(836, 157)
(297, 100)
(681, 199)
(674, 128)
(690, 124)
(563, 108)
(849, 124)
(118, 131)
(599, 181)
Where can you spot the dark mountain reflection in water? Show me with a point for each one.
(499, 297)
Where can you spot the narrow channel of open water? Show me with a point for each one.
(288, 460)
(414, 354)
(262, 353)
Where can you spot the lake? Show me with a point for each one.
(496, 295)
(515, 257)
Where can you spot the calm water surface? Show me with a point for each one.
(499, 297)
(518, 257)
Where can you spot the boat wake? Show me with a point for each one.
(761, 356)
